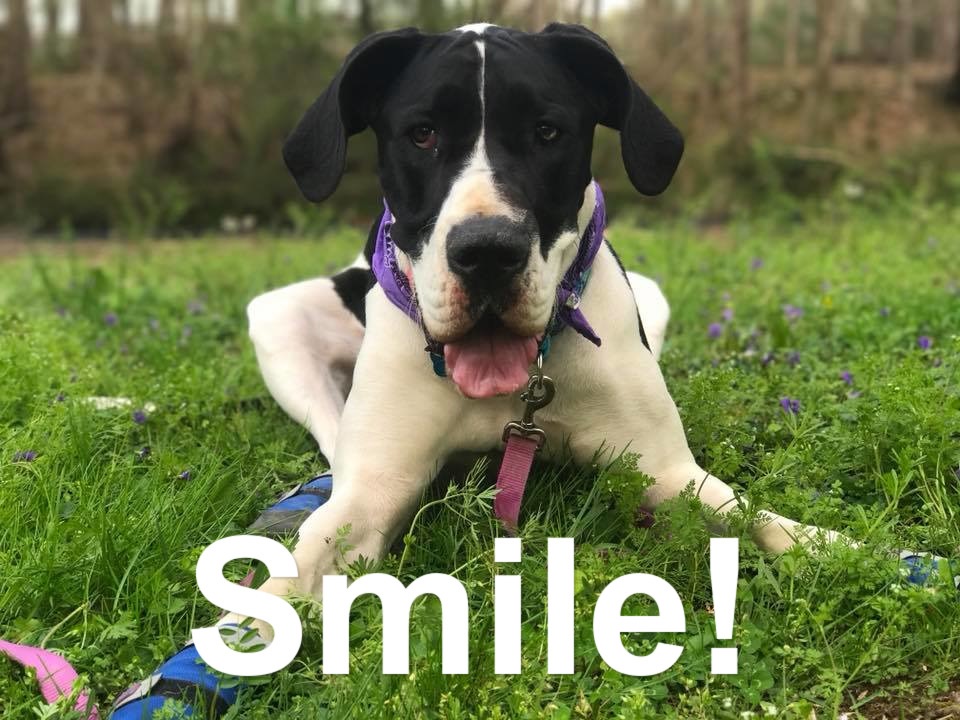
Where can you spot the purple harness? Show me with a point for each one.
(566, 311)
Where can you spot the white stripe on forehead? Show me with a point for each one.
(476, 28)
(478, 158)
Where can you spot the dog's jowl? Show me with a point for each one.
(480, 255)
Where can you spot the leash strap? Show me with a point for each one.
(523, 439)
(54, 674)
(512, 479)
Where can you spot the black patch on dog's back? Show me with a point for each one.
(352, 285)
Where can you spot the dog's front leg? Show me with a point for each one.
(398, 426)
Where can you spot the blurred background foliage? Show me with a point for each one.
(165, 117)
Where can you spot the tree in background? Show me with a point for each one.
(94, 38)
(903, 49)
(820, 121)
(51, 30)
(15, 74)
(741, 74)
(700, 51)
(953, 85)
(791, 38)
(365, 19)
(947, 31)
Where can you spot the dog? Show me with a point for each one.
(484, 147)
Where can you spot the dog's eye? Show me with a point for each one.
(547, 133)
(424, 137)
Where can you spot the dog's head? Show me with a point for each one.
(484, 143)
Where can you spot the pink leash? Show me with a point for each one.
(512, 479)
(523, 439)
(54, 674)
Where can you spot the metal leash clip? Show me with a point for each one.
(539, 393)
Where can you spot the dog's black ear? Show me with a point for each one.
(316, 150)
(650, 144)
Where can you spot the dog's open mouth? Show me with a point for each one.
(490, 360)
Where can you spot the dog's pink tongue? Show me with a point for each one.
(487, 364)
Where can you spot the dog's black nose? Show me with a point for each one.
(487, 253)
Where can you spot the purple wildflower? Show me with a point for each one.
(110, 319)
(793, 358)
(153, 324)
(791, 406)
(792, 312)
(139, 417)
(61, 311)
(756, 263)
(853, 394)
(847, 377)
(186, 332)
(60, 397)
(196, 307)
(185, 475)
(143, 453)
(924, 342)
(25, 456)
(727, 314)
(884, 312)
(714, 330)
(767, 358)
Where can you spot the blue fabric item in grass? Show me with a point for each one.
(182, 680)
(289, 512)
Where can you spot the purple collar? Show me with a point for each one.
(566, 311)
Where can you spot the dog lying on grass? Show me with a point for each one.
(485, 137)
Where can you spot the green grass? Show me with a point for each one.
(98, 545)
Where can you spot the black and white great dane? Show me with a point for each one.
(484, 144)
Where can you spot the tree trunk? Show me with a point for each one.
(122, 11)
(948, 31)
(51, 30)
(853, 28)
(953, 86)
(903, 49)
(741, 74)
(579, 9)
(245, 10)
(15, 71)
(820, 93)
(167, 17)
(791, 34)
(700, 52)
(94, 33)
(538, 15)
(365, 18)
(819, 101)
